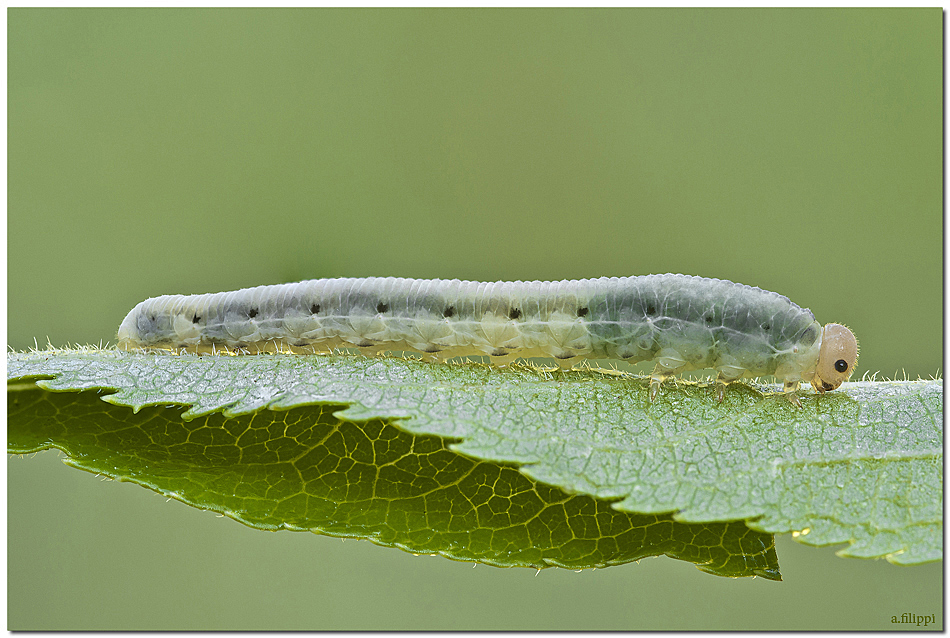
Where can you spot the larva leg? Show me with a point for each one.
(434, 356)
(668, 363)
(790, 388)
(721, 383)
(566, 364)
(442, 356)
(656, 380)
(727, 375)
(371, 351)
(502, 361)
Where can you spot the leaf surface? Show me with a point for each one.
(306, 470)
(861, 465)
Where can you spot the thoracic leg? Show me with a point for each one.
(729, 370)
(668, 363)
(790, 388)
(656, 379)
(721, 382)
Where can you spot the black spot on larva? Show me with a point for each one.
(432, 349)
(766, 326)
(196, 318)
(514, 313)
(382, 307)
(582, 311)
(449, 312)
(841, 365)
(709, 318)
(651, 310)
(315, 309)
(252, 313)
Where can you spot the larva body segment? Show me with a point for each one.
(681, 322)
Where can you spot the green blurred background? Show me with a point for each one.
(189, 151)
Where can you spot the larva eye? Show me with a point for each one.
(841, 365)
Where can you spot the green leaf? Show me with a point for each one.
(861, 465)
(304, 469)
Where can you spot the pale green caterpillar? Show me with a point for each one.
(679, 321)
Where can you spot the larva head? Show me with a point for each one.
(836, 359)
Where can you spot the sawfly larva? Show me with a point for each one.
(679, 321)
